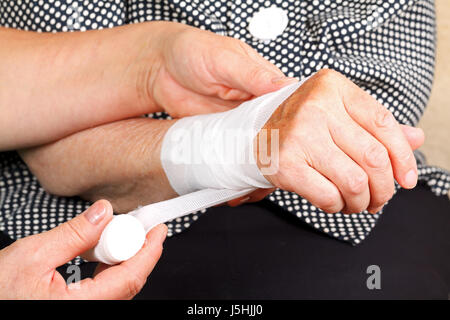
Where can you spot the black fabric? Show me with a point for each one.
(258, 251)
(4, 240)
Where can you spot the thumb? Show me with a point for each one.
(253, 74)
(74, 237)
(415, 136)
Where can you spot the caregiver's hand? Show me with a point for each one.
(199, 71)
(28, 265)
(341, 149)
(63, 83)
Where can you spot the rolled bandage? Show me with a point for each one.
(216, 150)
(120, 240)
(208, 160)
(124, 235)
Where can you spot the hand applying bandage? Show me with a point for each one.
(338, 148)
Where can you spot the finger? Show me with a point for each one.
(255, 196)
(125, 280)
(380, 122)
(70, 239)
(100, 268)
(414, 136)
(317, 189)
(250, 73)
(348, 176)
(369, 154)
(256, 56)
(238, 201)
(173, 98)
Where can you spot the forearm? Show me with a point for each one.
(52, 85)
(118, 161)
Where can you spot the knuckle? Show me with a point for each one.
(221, 53)
(256, 72)
(73, 231)
(283, 179)
(239, 44)
(328, 74)
(384, 196)
(383, 118)
(357, 182)
(134, 286)
(319, 160)
(330, 202)
(406, 157)
(359, 207)
(376, 156)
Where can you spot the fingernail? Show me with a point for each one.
(283, 80)
(244, 200)
(411, 179)
(96, 212)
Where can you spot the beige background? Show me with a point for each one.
(436, 119)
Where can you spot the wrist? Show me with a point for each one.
(132, 173)
(118, 161)
(154, 42)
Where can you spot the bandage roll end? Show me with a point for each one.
(121, 239)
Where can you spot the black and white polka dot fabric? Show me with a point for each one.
(385, 46)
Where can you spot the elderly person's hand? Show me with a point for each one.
(28, 265)
(341, 149)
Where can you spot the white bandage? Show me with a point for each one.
(216, 150)
(208, 160)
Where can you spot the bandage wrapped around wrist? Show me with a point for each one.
(209, 160)
(216, 150)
